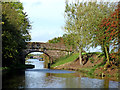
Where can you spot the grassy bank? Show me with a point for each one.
(66, 59)
(70, 58)
(93, 66)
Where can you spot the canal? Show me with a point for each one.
(40, 77)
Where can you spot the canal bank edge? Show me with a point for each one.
(93, 65)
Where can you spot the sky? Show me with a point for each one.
(46, 17)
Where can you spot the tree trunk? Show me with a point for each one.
(80, 56)
(107, 56)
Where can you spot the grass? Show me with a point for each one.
(87, 71)
(66, 59)
(4, 68)
(90, 71)
(69, 58)
(14, 67)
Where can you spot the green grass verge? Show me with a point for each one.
(68, 58)
(4, 68)
(65, 59)
(90, 71)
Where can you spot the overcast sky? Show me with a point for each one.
(46, 17)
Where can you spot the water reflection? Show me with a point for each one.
(34, 79)
(38, 64)
(39, 77)
(91, 83)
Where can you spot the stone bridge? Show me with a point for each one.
(53, 51)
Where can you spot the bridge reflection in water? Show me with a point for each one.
(47, 78)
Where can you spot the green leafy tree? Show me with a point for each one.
(15, 31)
(82, 20)
(55, 40)
(69, 41)
(66, 39)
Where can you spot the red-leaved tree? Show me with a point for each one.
(108, 35)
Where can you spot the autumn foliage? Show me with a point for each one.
(110, 30)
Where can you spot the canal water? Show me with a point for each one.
(40, 77)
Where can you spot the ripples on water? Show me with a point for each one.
(39, 77)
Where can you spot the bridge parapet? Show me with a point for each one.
(47, 46)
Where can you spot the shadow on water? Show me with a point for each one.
(40, 77)
(13, 79)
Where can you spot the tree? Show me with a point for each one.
(69, 41)
(82, 20)
(15, 31)
(110, 35)
(55, 40)
(66, 39)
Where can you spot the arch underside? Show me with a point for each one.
(30, 51)
(52, 54)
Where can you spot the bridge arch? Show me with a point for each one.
(53, 51)
(36, 51)
(47, 60)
